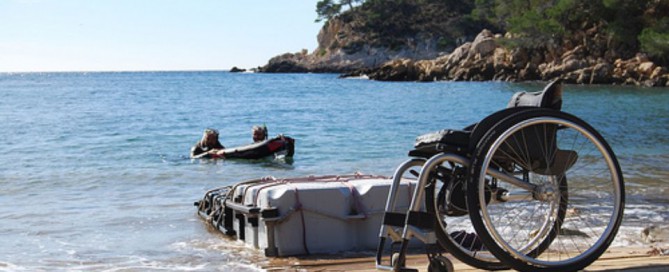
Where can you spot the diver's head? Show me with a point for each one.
(209, 137)
(259, 133)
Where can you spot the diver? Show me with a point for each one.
(259, 133)
(207, 145)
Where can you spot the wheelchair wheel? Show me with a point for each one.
(445, 198)
(546, 192)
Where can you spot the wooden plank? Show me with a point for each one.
(618, 259)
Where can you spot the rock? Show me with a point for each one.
(587, 58)
(658, 72)
(576, 53)
(396, 70)
(483, 45)
(458, 55)
(584, 75)
(500, 59)
(286, 63)
(571, 65)
(646, 68)
(429, 70)
(631, 81)
(601, 74)
(519, 58)
(356, 73)
(530, 72)
(638, 71)
(284, 66)
(570, 78)
(237, 70)
(486, 71)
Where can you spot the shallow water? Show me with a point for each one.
(95, 172)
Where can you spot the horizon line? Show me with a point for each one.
(118, 71)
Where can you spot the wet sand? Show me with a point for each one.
(615, 259)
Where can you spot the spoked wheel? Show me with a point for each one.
(445, 197)
(546, 192)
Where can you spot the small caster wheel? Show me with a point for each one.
(394, 259)
(440, 264)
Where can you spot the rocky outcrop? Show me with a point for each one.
(485, 59)
(286, 63)
(235, 69)
(341, 50)
(585, 58)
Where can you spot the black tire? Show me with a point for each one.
(440, 264)
(464, 249)
(530, 142)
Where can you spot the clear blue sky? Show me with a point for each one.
(131, 35)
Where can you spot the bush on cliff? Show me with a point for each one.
(629, 26)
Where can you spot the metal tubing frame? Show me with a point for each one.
(423, 179)
(395, 185)
(386, 232)
(410, 231)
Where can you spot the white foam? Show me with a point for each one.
(5, 266)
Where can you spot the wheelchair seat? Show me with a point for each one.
(464, 141)
(446, 140)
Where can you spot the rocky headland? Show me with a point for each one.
(588, 55)
(484, 59)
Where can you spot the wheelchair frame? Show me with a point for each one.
(400, 227)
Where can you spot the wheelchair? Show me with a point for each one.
(529, 187)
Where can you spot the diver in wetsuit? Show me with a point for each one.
(207, 145)
(259, 133)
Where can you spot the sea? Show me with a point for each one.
(95, 173)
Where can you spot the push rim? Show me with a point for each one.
(556, 256)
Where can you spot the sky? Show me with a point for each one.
(151, 35)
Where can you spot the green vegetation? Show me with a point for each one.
(621, 21)
(654, 39)
(398, 23)
(627, 25)
(327, 9)
(655, 43)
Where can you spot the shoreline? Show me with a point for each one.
(633, 259)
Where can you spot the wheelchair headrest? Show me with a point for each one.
(549, 97)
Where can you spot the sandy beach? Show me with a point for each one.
(615, 259)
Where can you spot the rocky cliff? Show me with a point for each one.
(341, 49)
(470, 53)
(485, 59)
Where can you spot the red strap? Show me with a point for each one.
(298, 207)
(274, 145)
(356, 201)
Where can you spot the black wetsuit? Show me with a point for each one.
(199, 148)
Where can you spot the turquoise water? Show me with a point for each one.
(95, 172)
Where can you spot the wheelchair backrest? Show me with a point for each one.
(549, 97)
